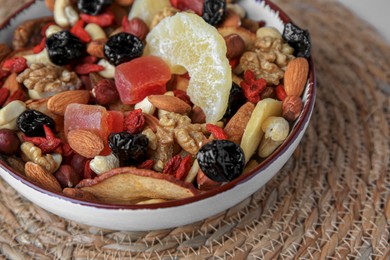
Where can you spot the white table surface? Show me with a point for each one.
(376, 12)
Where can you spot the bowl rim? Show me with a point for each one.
(298, 128)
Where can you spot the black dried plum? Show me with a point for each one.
(31, 122)
(213, 11)
(236, 100)
(93, 7)
(130, 149)
(221, 160)
(299, 39)
(63, 48)
(123, 47)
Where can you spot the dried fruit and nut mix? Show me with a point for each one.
(146, 101)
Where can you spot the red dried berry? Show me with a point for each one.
(44, 28)
(148, 164)
(86, 68)
(4, 74)
(105, 92)
(47, 144)
(252, 87)
(89, 60)
(134, 121)
(172, 165)
(184, 167)
(40, 46)
(79, 31)
(16, 64)
(216, 131)
(17, 95)
(183, 96)
(194, 5)
(104, 19)
(88, 173)
(234, 62)
(4, 94)
(280, 92)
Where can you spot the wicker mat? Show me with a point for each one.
(331, 199)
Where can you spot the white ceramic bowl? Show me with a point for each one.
(179, 212)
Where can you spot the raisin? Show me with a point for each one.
(123, 47)
(213, 11)
(64, 47)
(31, 123)
(299, 39)
(236, 100)
(221, 160)
(130, 149)
(93, 7)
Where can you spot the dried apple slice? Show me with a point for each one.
(128, 184)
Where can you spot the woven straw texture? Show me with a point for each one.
(331, 199)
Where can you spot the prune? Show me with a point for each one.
(221, 160)
(213, 11)
(63, 48)
(130, 149)
(298, 38)
(236, 100)
(123, 47)
(93, 7)
(31, 122)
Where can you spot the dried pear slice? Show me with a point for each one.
(129, 184)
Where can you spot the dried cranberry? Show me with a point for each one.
(299, 39)
(236, 100)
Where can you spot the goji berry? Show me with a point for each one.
(104, 19)
(17, 95)
(134, 121)
(148, 164)
(217, 132)
(172, 165)
(184, 167)
(125, 24)
(280, 92)
(183, 96)
(252, 87)
(47, 144)
(262, 23)
(86, 68)
(79, 31)
(88, 173)
(40, 46)
(4, 93)
(234, 62)
(16, 64)
(4, 74)
(194, 5)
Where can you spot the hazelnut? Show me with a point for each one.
(138, 28)
(105, 92)
(268, 92)
(292, 107)
(232, 19)
(67, 176)
(9, 142)
(235, 46)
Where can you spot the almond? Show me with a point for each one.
(296, 76)
(236, 126)
(41, 177)
(85, 143)
(292, 107)
(79, 194)
(170, 103)
(57, 104)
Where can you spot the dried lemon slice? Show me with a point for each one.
(187, 43)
